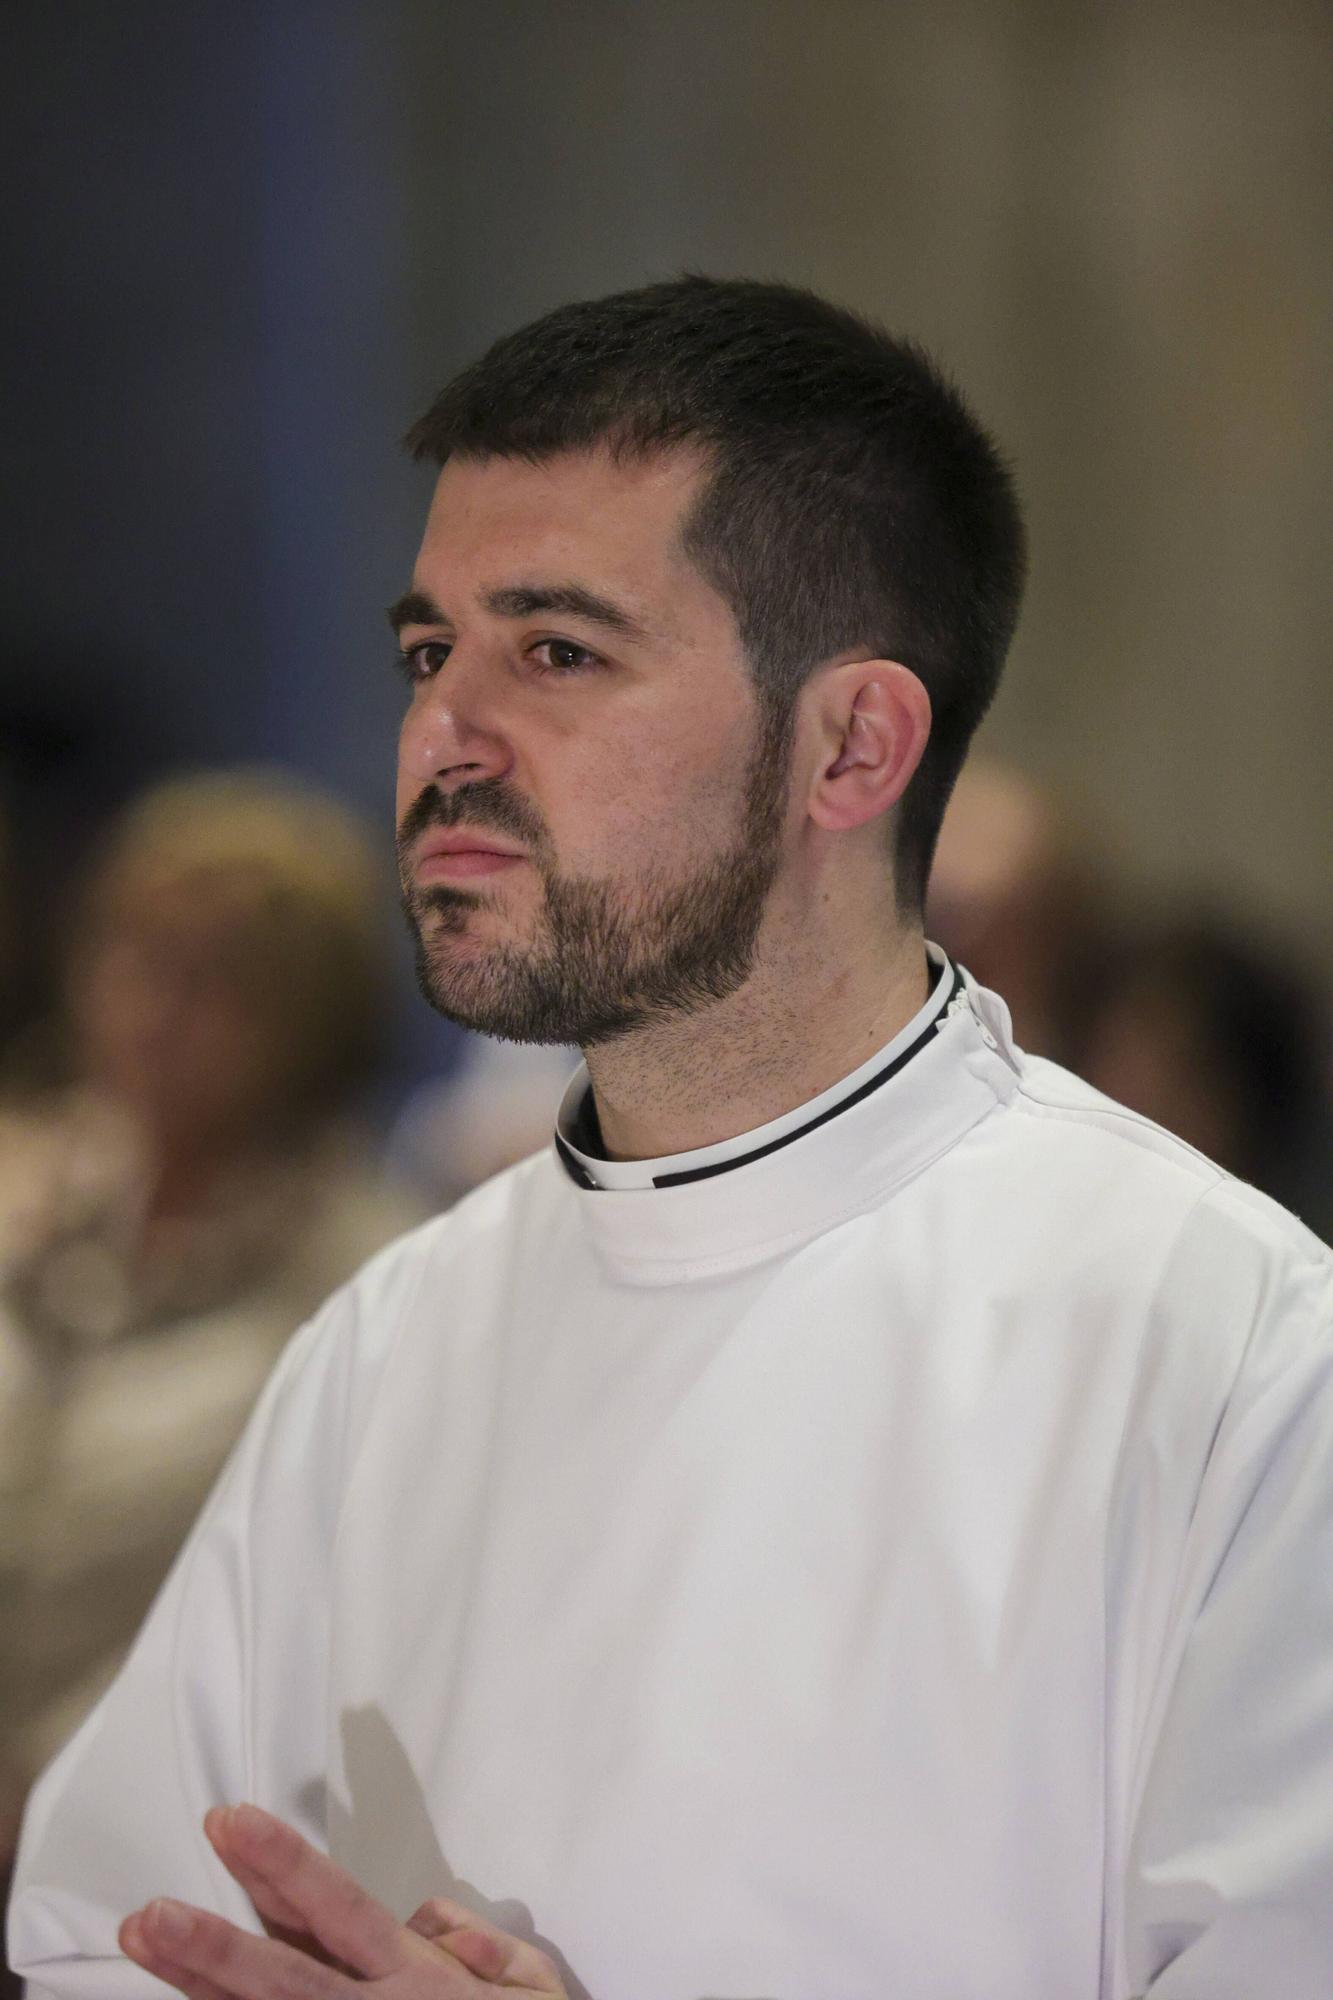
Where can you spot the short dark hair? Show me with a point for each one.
(854, 500)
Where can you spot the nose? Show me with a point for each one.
(450, 734)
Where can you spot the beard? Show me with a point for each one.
(606, 959)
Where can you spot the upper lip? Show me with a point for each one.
(460, 840)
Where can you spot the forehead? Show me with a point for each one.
(581, 514)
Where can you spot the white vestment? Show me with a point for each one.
(898, 1566)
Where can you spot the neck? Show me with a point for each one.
(802, 1020)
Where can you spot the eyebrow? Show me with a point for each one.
(414, 607)
(566, 600)
(524, 600)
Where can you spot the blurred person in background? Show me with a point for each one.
(175, 1206)
(1215, 1036)
(1016, 895)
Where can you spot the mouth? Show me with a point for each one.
(460, 855)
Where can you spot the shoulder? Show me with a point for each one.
(1073, 1155)
(367, 1315)
(322, 1395)
(1062, 1112)
(1089, 1201)
(1144, 1174)
(1237, 1281)
(506, 1205)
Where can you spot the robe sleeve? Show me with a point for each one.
(220, 1699)
(1229, 1880)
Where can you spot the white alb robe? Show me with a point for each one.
(899, 1565)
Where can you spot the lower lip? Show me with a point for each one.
(468, 862)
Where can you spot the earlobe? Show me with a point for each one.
(878, 713)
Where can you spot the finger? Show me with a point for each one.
(182, 1945)
(486, 1956)
(135, 1946)
(281, 1918)
(272, 1906)
(484, 1948)
(313, 1893)
(438, 1915)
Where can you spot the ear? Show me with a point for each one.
(874, 723)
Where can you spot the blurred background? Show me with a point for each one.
(246, 241)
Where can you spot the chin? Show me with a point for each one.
(454, 977)
(460, 922)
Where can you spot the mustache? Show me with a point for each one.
(489, 802)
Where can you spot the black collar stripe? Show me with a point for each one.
(574, 1166)
(872, 1083)
(578, 1173)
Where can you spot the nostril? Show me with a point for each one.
(459, 774)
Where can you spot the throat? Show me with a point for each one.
(707, 1077)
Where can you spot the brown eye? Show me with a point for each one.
(562, 656)
(422, 661)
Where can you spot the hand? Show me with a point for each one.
(326, 1936)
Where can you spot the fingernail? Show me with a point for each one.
(171, 1921)
(248, 1821)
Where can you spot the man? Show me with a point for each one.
(854, 1518)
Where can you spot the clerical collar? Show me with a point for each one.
(578, 1140)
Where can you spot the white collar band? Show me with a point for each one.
(599, 1175)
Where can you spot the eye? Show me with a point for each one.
(420, 662)
(562, 656)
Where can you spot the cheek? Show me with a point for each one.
(695, 782)
(657, 804)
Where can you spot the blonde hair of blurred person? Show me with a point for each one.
(1015, 895)
(172, 1211)
(226, 982)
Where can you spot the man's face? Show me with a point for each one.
(590, 806)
